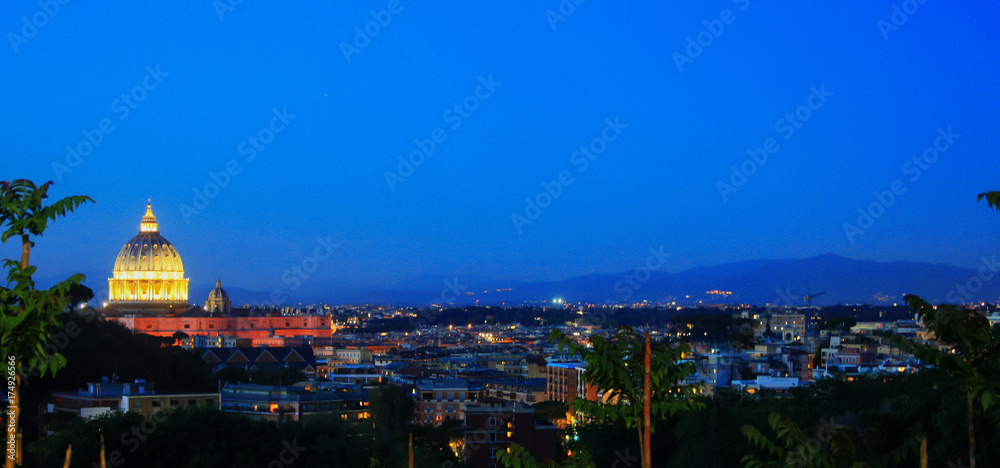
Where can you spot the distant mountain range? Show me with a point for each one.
(782, 282)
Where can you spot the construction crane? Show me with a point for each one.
(809, 297)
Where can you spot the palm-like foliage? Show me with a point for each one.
(974, 357)
(27, 317)
(829, 446)
(518, 457)
(28, 314)
(992, 198)
(616, 367)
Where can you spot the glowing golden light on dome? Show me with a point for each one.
(148, 268)
(148, 223)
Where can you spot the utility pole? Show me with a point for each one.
(647, 458)
(411, 449)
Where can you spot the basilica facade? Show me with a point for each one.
(148, 293)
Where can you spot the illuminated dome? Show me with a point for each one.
(148, 271)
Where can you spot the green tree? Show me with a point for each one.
(992, 199)
(518, 457)
(392, 412)
(27, 314)
(843, 324)
(103, 348)
(639, 380)
(973, 360)
(78, 294)
(550, 410)
(829, 446)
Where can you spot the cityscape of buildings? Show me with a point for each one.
(486, 377)
(582, 234)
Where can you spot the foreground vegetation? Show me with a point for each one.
(206, 437)
(862, 421)
(882, 418)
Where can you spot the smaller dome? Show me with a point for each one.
(218, 300)
(218, 294)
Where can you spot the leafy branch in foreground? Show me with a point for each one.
(830, 445)
(974, 354)
(992, 198)
(617, 367)
(973, 357)
(27, 313)
(518, 457)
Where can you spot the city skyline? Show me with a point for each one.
(522, 143)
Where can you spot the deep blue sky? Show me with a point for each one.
(656, 184)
